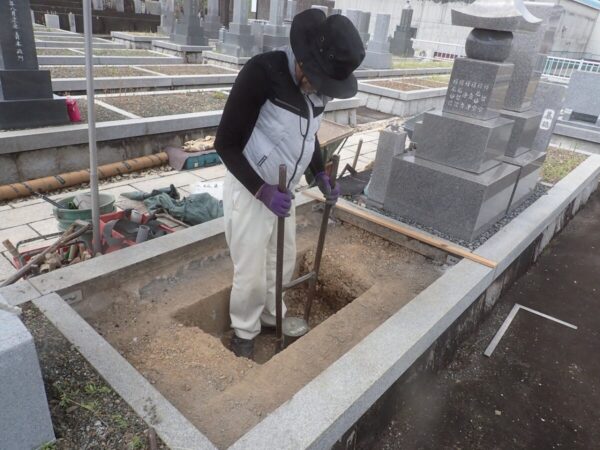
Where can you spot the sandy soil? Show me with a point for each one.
(154, 327)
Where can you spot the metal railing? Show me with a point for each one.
(437, 50)
(562, 68)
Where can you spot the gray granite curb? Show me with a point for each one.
(48, 60)
(374, 73)
(416, 94)
(143, 82)
(172, 427)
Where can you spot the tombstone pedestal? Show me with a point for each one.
(275, 33)
(188, 31)
(401, 43)
(26, 97)
(378, 54)
(525, 127)
(530, 166)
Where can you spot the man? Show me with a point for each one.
(271, 117)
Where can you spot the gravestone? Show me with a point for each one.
(401, 43)
(548, 100)
(290, 10)
(187, 29)
(212, 21)
(120, 5)
(52, 20)
(26, 98)
(238, 40)
(391, 144)
(454, 181)
(378, 54)
(98, 5)
(72, 23)
(167, 17)
(153, 7)
(24, 417)
(583, 98)
(360, 20)
(275, 33)
(528, 55)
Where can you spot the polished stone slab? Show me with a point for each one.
(25, 84)
(523, 133)
(477, 88)
(530, 167)
(33, 113)
(583, 94)
(548, 101)
(455, 202)
(462, 142)
(389, 145)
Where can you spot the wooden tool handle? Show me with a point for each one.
(282, 178)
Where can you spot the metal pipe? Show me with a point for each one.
(91, 112)
(279, 263)
(357, 154)
(312, 286)
(299, 280)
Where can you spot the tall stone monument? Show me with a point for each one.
(167, 17)
(378, 54)
(528, 55)
(361, 20)
(401, 43)
(187, 29)
(238, 40)
(212, 21)
(276, 34)
(26, 98)
(290, 10)
(455, 181)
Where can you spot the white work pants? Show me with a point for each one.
(251, 233)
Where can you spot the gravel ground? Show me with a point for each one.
(86, 412)
(102, 114)
(189, 69)
(540, 190)
(124, 52)
(560, 162)
(164, 105)
(56, 52)
(99, 71)
(409, 84)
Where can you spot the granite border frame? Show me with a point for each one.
(311, 419)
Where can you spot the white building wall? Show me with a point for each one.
(433, 22)
(592, 51)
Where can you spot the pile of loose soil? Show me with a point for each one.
(189, 69)
(164, 105)
(86, 412)
(99, 71)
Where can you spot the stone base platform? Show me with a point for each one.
(192, 54)
(376, 60)
(524, 130)
(530, 166)
(18, 114)
(223, 60)
(136, 41)
(455, 202)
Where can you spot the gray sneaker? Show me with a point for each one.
(242, 347)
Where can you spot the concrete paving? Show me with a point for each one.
(25, 219)
(540, 387)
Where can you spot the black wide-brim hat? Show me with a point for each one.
(328, 49)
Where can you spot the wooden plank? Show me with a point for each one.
(407, 231)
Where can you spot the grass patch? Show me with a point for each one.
(559, 163)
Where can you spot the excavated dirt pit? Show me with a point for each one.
(171, 327)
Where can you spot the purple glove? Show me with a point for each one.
(278, 202)
(324, 183)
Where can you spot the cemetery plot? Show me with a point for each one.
(189, 69)
(57, 52)
(152, 105)
(173, 332)
(416, 63)
(559, 163)
(411, 84)
(99, 71)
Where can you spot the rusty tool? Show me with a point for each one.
(279, 263)
(312, 283)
